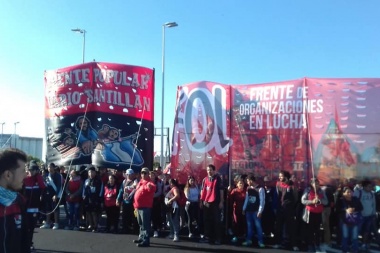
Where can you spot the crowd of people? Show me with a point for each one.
(258, 212)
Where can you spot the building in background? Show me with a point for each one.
(30, 145)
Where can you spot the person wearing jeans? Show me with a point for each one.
(143, 202)
(253, 208)
(173, 209)
(349, 204)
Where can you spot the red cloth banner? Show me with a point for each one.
(100, 113)
(310, 127)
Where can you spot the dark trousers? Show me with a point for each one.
(211, 220)
(31, 221)
(314, 229)
(128, 219)
(156, 214)
(192, 211)
(113, 213)
(285, 227)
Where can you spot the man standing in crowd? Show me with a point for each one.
(13, 227)
(143, 202)
(212, 203)
(53, 193)
(33, 187)
(285, 214)
(369, 224)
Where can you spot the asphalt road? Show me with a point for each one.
(69, 241)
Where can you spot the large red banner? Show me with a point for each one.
(310, 127)
(100, 114)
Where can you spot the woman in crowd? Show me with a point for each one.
(349, 208)
(173, 210)
(112, 210)
(192, 205)
(74, 190)
(157, 199)
(92, 197)
(313, 198)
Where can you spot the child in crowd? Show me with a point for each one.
(253, 208)
(236, 201)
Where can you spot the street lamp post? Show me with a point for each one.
(2, 132)
(168, 25)
(14, 136)
(83, 31)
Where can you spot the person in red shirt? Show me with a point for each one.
(74, 190)
(112, 210)
(236, 201)
(313, 198)
(143, 202)
(212, 203)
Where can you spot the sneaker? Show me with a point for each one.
(276, 246)
(155, 234)
(190, 235)
(319, 250)
(176, 238)
(234, 239)
(76, 228)
(247, 243)
(45, 225)
(67, 228)
(295, 248)
(138, 241)
(142, 244)
(364, 247)
(56, 226)
(170, 237)
(261, 245)
(204, 240)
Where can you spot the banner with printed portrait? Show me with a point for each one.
(325, 128)
(100, 114)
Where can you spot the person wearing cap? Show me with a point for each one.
(143, 202)
(13, 227)
(313, 198)
(125, 199)
(32, 191)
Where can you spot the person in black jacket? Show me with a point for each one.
(52, 195)
(13, 227)
(285, 213)
(93, 198)
(349, 205)
(33, 187)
